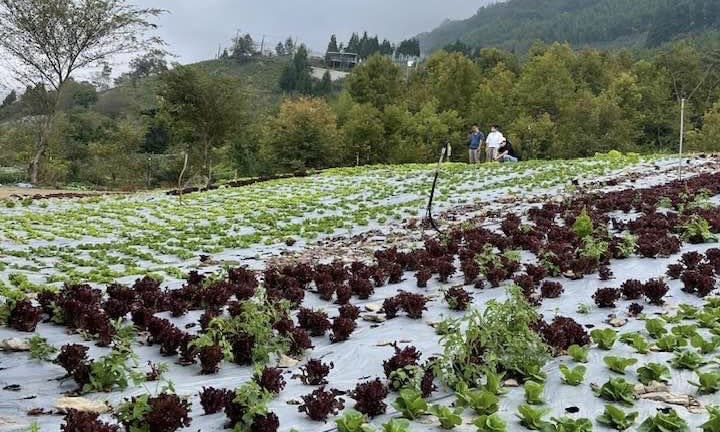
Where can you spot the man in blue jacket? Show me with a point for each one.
(475, 140)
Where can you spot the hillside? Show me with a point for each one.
(516, 24)
(258, 77)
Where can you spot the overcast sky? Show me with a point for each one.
(193, 29)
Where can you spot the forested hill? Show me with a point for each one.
(516, 24)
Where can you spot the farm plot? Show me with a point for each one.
(103, 239)
(578, 308)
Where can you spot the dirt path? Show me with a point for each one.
(7, 192)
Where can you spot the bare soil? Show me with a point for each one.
(37, 193)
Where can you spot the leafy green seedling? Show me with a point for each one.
(616, 390)
(532, 418)
(353, 421)
(574, 376)
(685, 330)
(396, 425)
(490, 423)
(670, 343)
(655, 327)
(708, 382)
(687, 360)
(449, 418)
(494, 382)
(618, 364)
(534, 392)
(568, 424)
(705, 346)
(578, 353)
(713, 423)
(604, 338)
(410, 404)
(481, 401)
(635, 340)
(40, 349)
(616, 418)
(653, 372)
(688, 312)
(668, 421)
(584, 309)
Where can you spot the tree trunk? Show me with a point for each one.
(208, 165)
(180, 178)
(40, 148)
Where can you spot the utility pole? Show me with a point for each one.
(682, 136)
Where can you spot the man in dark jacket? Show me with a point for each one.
(475, 140)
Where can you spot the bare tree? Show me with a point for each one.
(46, 41)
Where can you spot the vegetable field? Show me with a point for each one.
(560, 296)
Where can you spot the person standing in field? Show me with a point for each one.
(494, 140)
(475, 139)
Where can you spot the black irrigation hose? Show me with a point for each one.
(444, 155)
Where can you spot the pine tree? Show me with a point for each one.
(280, 49)
(9, 99)
(324, 86)
(353, 45)
(332, 46)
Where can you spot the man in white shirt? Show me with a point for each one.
(493, 142)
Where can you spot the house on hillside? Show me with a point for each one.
(342, 60)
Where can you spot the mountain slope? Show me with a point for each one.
(516, 24)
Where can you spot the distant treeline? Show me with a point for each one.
(552, 101)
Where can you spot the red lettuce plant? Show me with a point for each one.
(563, 332)
(407, 356)
(423, 276)
(369, 397)
(691, 259)
(210, 357)
(606, 297)
(341, 329)
(458, 299)
(654, 290)
(605, 273)
(265, 423)
(80, 421)
(695, 282)
(343, 294)
(326, 290)
(24, 316)
(320, 404)
(395, 274)
(314, 372)
(445, 268)
(525, 282)
(242, 345)
(299, 341)
(71, 356)
(632, 289)
(635, 309)
(551, 289)
(349, 311)
(167, 413)
(213, 400)
(316, 322)
(471, 271)
(413, 304)
(271, 379)
(362, 287)
(536, 272)
(391, 306)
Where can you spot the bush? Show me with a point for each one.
(499, 338)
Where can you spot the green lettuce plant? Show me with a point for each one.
(616, 418)
(574, 376)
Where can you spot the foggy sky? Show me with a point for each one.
(194, 29)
